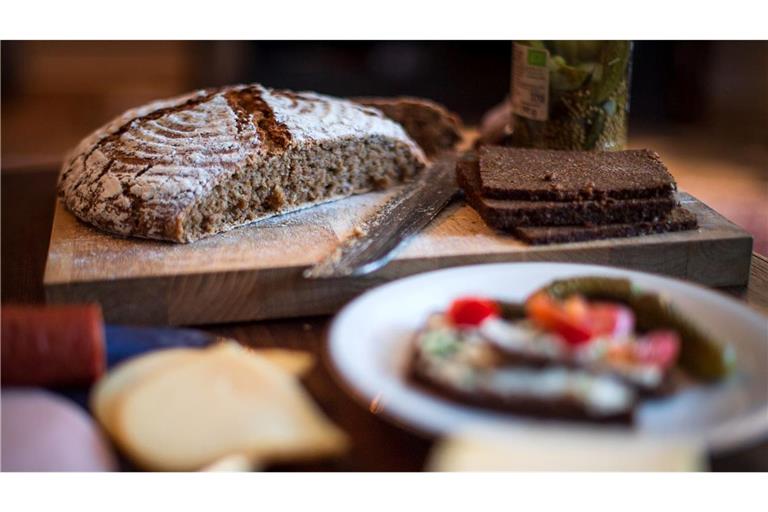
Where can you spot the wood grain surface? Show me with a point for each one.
(27, 211)
(254, 273)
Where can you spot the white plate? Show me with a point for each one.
(369, 343)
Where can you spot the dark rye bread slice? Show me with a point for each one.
(561, 408)
(679, 219)
(551, 175)
(508, 214)
(434, 128)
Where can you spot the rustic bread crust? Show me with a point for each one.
(431, 125)
(215, 159)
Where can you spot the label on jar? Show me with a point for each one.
(530, 82)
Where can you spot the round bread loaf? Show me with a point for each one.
(215, 159)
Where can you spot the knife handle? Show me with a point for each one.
(52, 346)
(125, 342)
(69, 345)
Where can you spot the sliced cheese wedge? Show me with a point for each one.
(231, 401)
(236, 463)
(110, 389)
(563, 449)
(296, 362)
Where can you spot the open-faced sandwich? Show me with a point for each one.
(585, 348)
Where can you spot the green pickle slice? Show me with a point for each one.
(701, 356)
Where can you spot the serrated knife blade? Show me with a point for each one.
(388, 230)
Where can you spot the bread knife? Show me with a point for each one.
(124, 342)
(382, 235)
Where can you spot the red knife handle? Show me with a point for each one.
(52, 345)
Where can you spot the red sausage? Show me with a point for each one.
(52, 346)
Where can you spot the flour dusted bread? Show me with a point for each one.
(215, 159)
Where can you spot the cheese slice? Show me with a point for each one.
(561, 449)
(230, 401)
(110, 389)
(295, 362)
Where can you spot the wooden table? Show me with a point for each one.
(27, 208)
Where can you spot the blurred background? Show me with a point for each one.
(702, 105)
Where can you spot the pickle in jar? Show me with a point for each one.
(587, 100)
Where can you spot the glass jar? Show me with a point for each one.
(570, 94)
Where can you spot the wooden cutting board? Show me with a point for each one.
(254, 272)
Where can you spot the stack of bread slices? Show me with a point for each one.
(548, 196)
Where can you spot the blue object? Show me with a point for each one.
(124, 342)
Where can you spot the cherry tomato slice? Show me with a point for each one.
(471, 311)
(548, 315)
(613, 320)
(657, 347)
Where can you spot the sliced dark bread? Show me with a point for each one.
(550, 175)
(507, 214)
(539, 407)
(679, 219)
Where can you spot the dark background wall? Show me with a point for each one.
(54, 92)
(703, 105)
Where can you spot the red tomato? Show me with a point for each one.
(573, 332)
(657, 347)
(606, 319)
(471, 311)
(549, 315)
